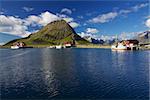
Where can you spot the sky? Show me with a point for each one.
(97, 18)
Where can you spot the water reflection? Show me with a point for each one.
(52, 83)
(118, 59)
(59, 70)
(74, 73)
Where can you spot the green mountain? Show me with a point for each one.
(57, 32)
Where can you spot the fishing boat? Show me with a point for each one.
(126, 45)
(118, 47)
(18, 45)
(15, 47)
(59, 47)
(68, 44)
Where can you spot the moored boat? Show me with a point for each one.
(118, 47)
(18, 45)
(59, 47)
(126, 45)
(14, 47)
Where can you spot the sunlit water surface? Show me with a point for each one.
(74, 74)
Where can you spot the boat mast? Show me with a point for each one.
(116, 40)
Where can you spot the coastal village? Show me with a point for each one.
(121, 45)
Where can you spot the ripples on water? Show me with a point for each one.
(74, 73)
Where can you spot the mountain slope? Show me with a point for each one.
(54, 33)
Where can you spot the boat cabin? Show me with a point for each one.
(131, 44)
(68, 44)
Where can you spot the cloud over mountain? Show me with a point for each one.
(69, 20)
(42, 19)
(20, 27)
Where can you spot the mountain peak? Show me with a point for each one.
(54, 33)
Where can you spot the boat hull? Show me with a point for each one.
(14, 47)
(59, 47)
(118, 48)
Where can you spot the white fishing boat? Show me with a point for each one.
(14, 47)
(126, 45)
(68, 45)
(118, 47)
(59, 47)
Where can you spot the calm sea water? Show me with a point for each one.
(74, 74)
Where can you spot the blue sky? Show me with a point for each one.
(103, 17)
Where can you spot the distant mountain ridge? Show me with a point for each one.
(144, 37)
(55, 33)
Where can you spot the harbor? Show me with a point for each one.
(74, 50)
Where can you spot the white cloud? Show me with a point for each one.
(147, 23)
(13, 25)
(66, 11)
(137, 7)
(124, 11)
(133, 9)
(27, 9)
(9, 20)
(32, 20)
(74, 24)
(92, 30)
(42, 19)
(89, 32)
(68, 19)
(128, 35)
(19, 27)
(84, 34)
(47, 17)
(104, 17)
(61, 15)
